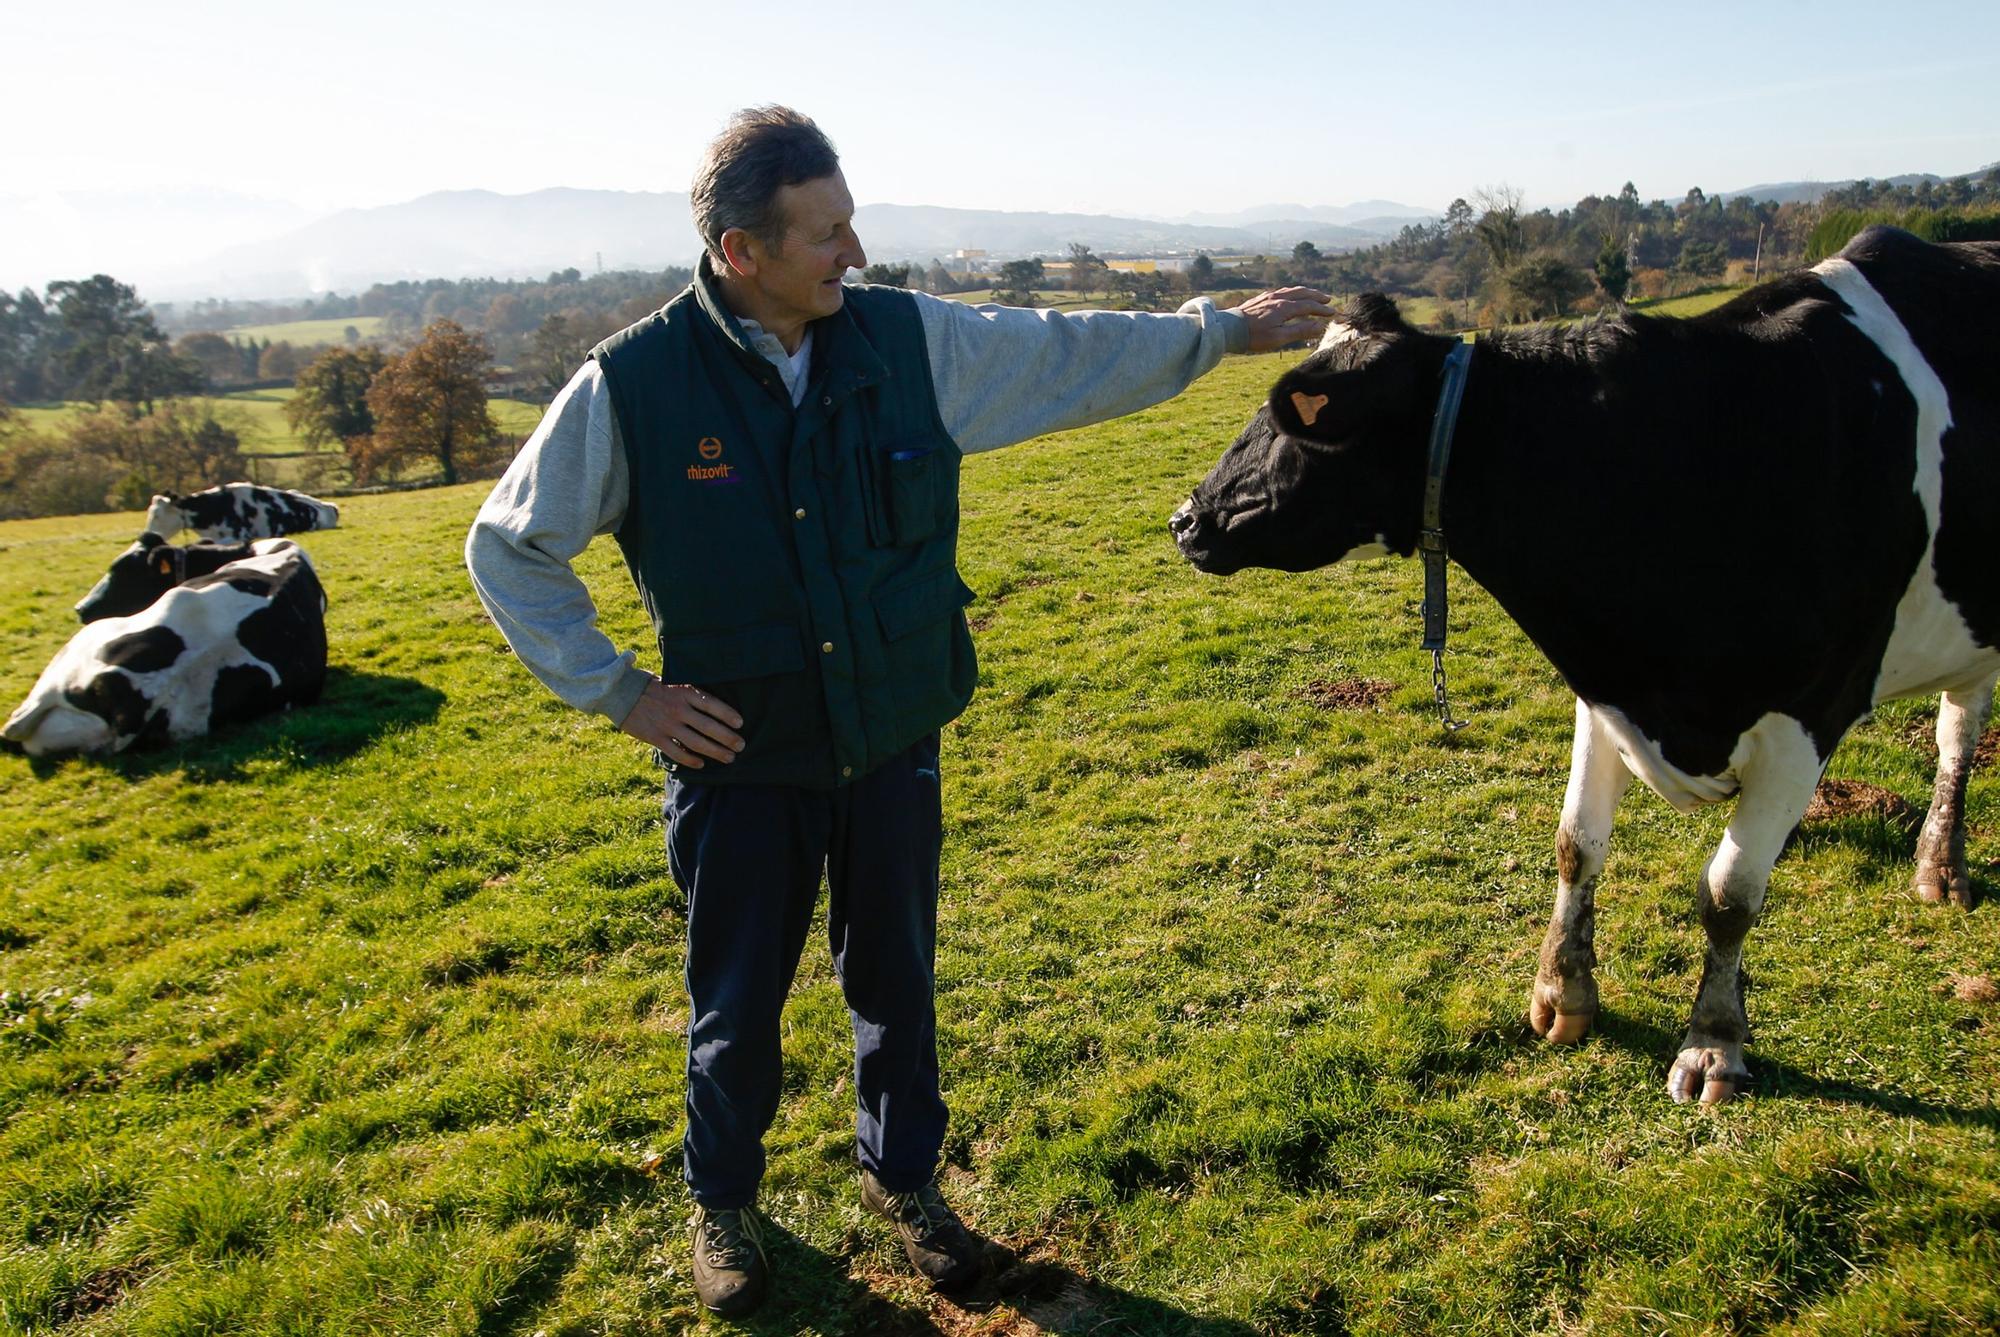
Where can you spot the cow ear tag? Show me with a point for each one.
(166, 565)
(1308, 406)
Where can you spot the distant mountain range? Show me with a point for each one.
(473, 233)
(477, 233)
(1795, 192)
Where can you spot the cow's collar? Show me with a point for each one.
(1457, 363)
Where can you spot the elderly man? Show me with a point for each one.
(777, 454)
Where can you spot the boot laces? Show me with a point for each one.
(923, 1210)
(730, 1238)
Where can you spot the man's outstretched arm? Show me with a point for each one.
(1005, 374)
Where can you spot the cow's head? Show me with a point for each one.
(163, 516)
(141, 574)
(1333, 465)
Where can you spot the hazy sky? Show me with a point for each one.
(1160, 108)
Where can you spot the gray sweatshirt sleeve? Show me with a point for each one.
(1004, 374)
(567, 485)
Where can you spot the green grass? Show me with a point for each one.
(1692, 305)
(309, 333)
(369, 1016)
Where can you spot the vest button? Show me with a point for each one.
(826, 648)
(799, 514)
(846, 771)
(827, 402)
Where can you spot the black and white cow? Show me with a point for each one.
(239, 512)
(244, 640)
(151, 567)
(1731, 534)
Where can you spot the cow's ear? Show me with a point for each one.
(149, 540)
(1308, 402)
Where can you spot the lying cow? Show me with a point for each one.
(151, 567)
(239, 512)
(244, 640)
(1732, 535)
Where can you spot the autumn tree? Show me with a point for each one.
(330, 406)
(218, 358)
(430, 403)
(279, 362)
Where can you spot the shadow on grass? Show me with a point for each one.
(810, 1286)
(1781, 1081)
(353, 711)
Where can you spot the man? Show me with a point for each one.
(777, 455)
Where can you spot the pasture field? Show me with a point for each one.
(369, 1017)
(309, 333)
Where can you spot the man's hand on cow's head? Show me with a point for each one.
(685, 724)
(1286, 315)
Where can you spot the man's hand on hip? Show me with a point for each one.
(685, 724)
(1286, 315)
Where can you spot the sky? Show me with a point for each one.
(142, 128)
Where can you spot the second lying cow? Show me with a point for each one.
(247, 639)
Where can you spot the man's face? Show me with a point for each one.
(800, 280)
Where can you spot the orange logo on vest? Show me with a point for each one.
(711, 448)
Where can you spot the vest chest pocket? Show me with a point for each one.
(915, 490)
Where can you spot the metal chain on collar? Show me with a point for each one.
(1437, 690)
(1457, 364)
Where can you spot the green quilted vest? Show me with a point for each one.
(798, 564)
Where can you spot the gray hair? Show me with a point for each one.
(760, 151)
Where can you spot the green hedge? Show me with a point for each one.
(1840, 227)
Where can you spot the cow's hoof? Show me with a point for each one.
(1935, 885)
(1712, 1076)
(1557, 1027)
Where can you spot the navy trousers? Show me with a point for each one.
(749, 858)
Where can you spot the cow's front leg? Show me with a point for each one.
(1941, 847)
(1778, 778)
(1563, 1002)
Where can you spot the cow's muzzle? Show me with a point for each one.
(1195, 532)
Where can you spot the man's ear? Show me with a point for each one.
(741, 251)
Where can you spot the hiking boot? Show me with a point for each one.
(937, 1242)
(729, 1267)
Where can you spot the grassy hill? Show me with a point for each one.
(309, 333)
(369, 1017)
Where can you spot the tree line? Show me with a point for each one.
(525, 321)
(1489, 261)
(142, 428)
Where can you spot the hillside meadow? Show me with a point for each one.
(368, 1018)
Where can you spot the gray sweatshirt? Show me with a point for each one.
(1002, 374)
